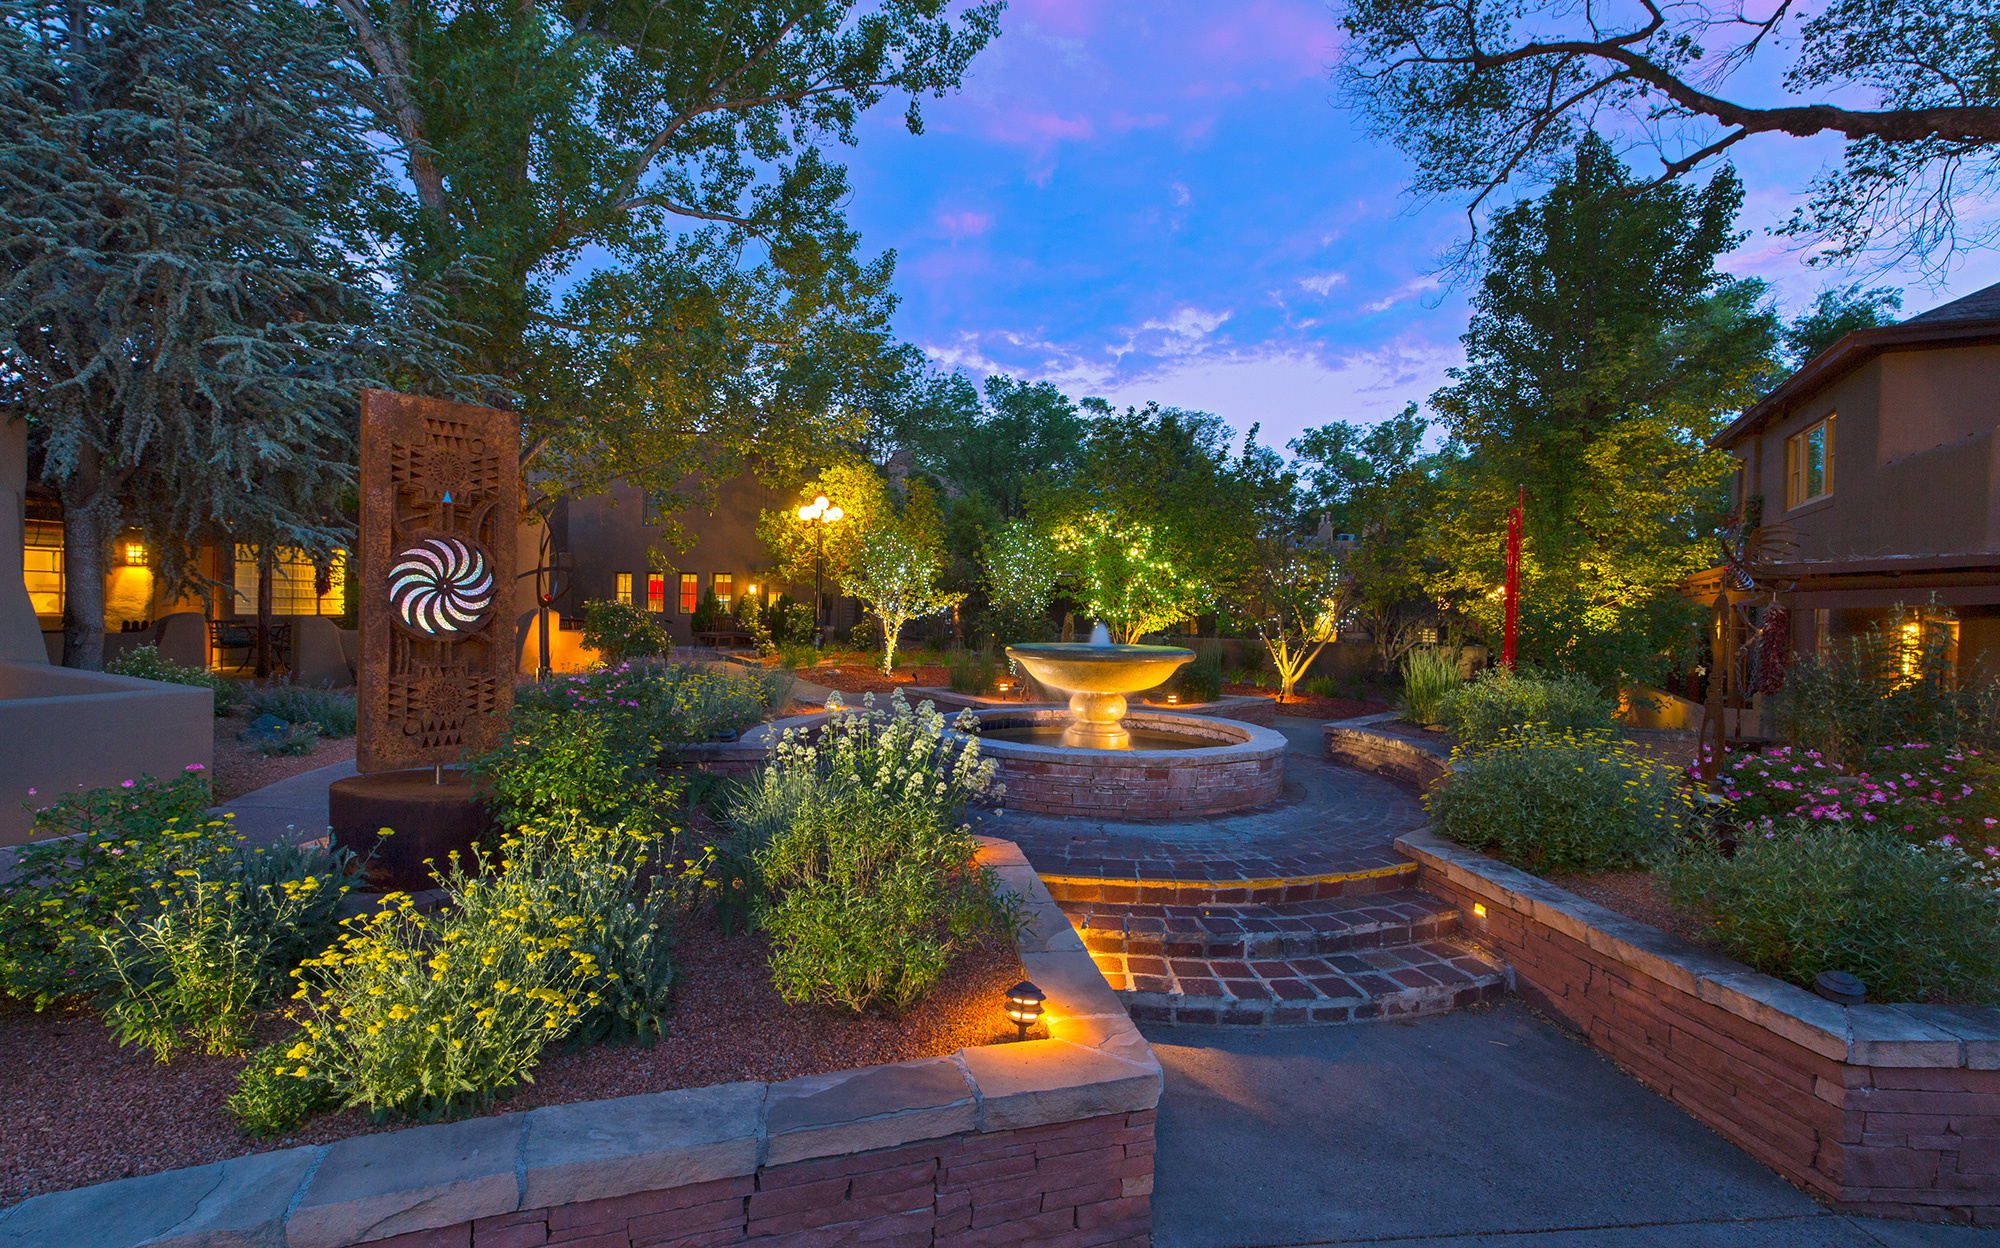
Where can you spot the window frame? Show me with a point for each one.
(723, 586)
(1796, 468)
(656, 592)
(690, 593)
(621, 588)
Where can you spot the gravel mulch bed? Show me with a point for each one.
(75, 1109)
(239, 768)
(858, 679)
(1309, 706)
(1634, 894)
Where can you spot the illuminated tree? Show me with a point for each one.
(796, 547)
(1022, 566)
(1302, 595)
(895, 573)
(1132, 582)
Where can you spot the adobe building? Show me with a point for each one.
(1878, 464)
(616, 546)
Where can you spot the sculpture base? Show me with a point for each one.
(1093, 736)
(1095, 721)
(428, 820)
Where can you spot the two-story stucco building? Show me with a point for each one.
(1878, 464)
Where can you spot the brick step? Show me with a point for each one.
(1289, 929)
(1425, 978)
(1204, 883)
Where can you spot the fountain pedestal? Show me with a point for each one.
(1096, 722)
(1097, 676)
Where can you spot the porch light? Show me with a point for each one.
(135, 552)
(1024, 1006)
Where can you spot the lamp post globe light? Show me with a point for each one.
(819, 513)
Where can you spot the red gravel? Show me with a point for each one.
(1309, 706)
(858, 679)
(75, 1109)
(1634, 894)
(239, 768)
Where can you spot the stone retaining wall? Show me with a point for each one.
(1887, 1109)
(1243, 769)
(1047, 1141)
(1412, 764)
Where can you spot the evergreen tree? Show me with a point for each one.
(186, 312)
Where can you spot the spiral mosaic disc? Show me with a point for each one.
(441, 587)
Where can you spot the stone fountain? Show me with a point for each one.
(1097, 675)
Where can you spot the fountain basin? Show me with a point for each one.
(1229, 766)
(1097, 676)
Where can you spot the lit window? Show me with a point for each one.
(294, 578)
(1809, 464)
(1822, 631)
(724, 584)
(42, 564)
(624, 594)
(1920, 633)
(690, 594)
(656, 592)
(135, 552)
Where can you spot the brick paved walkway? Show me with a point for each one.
(1424, 978)
(1331, 823)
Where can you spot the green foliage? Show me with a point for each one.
(145, 663)
(291, 741)
(1300, 594)
(1805, 898)
(1561, 801)
(1021, 439)
(1022, 565)
(708, 613)
(972, 671)
(332, 711)
(1836, 312)
(190, 966)
(1199, 679)
(1604, 350)
(1893, 683)
(1497, 702)
(619, 631)
(1428, 676)
(271, 1098)
(95, 858)
(427, 1014)
(869, 884)
(894, 569)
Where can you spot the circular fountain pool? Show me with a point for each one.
(1174, 765)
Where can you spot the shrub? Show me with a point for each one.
(194, 963)
(797, 654)
(707, 613)
(291, 741)
(1556, 802)
(1801, 899)
(1482, 711)
(619, 631)
(1429, 674)
(330, 711)
(271, 1098)
(1876, 690)
(871, 878)
(425, 1015)
(1918, 792)
(1199, 679)
(145, 663)
(95, 859)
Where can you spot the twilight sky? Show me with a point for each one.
(1157, 199)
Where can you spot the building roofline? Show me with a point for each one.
(1853, 349)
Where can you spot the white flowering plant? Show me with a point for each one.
(865, 875)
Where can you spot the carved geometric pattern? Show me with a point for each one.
(439, 504)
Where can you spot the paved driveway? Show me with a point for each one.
(1486, 1127)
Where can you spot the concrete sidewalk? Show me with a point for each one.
(1486, 1127)
(293, 809)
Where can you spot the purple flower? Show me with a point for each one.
(126, 785)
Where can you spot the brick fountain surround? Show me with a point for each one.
(1243, 768)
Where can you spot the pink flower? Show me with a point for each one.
(194, 767)
(126, 785)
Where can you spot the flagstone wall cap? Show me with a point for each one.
(239, 1203)
(1887, 1035)
(600, 1149)
(373, 1187)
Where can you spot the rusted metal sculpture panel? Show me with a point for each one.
(440, 500)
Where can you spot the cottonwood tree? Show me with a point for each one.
(1483, 93)
(1605, 348)
(187, 307)
(674, 150)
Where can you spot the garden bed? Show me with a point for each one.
(1308, 705)
(857, 679)
(240, 767)
(136, 1116)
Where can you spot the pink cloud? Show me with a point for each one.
(1122, 122)
(1298, 41)
(963, 224)
(1030, 126)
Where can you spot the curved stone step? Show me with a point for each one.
(1291, 929)
(1426, 978)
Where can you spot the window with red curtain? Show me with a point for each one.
(690, 597)
(656, 592)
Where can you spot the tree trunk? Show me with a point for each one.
(84, 525)
(264, 557)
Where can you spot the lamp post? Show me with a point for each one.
(819, 513)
